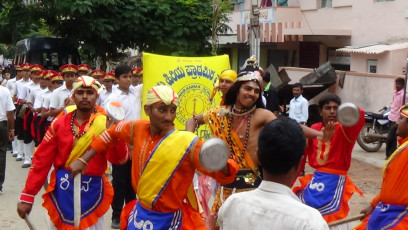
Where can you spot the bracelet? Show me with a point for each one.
(196, 122)
(11, 130)
(83, 161)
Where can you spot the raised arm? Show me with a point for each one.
(193, 123)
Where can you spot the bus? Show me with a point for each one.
(49, 52)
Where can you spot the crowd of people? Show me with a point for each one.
(62, 130)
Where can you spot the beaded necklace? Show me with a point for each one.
(76, 135)
(240, 113)
(230, 143)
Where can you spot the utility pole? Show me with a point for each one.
(254, 30)
(405, 85)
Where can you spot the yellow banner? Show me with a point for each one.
(192, 78)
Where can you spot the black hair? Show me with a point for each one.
(281, 145)
(122, 69)
(328, 98)
(231, 96)
(400, 80)
(298, 85)
(266, 77)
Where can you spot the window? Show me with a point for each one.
(326, 4)
(372, 66)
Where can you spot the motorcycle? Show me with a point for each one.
(375, 130)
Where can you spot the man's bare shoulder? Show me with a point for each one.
(263, 116)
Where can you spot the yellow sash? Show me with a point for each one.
(219, 128)
(98, 122)
(162, 164)
(394, 154)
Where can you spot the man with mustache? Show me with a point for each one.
(62, 147)
(164, 161)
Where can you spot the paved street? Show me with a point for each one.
(15, 177)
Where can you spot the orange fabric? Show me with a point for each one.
(137, 133)
(332, 171)
(86, 222)
(395, 184)
(349, 189)
(402, 225)
(124, 215)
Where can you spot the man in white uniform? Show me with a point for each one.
(61, 96)
(21, 97)
(32, 89)
(6, 129)
(107, 81)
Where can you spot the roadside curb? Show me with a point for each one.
(377, 158)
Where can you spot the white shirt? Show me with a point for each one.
(11, 85)
(270, 206)
(21, 89)
(131, 102)
(298, 109)
(39, 99)
(103, 96)
(33, 90)
(6, 104)
(58, 97)
(46, 103)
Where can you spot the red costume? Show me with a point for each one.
(332, 158)
(54, 150)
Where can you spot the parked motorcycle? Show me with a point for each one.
(375, 130)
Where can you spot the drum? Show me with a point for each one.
(214, 154)
(348, 114)
(115, 111)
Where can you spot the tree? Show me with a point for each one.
(105, 28)
(219, 26)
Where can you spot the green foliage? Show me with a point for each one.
(107, 27)
(18, 21)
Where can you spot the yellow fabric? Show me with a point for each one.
(218, 123)
(162, 165)
(229, 74)
(404, 110)
(98, 122)
(395, 153)
(87, 81)
(161, 93)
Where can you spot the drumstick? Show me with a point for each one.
(77, 200)
(29, 223)
(346, 220)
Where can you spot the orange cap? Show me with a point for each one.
(48, 74)
(25, 66)
(69, 68)
(40, 73)
(108, 76)
(57, 77)
(18, 68)
(84, 67)
(97, 72)
(36, 67)
(137, 71)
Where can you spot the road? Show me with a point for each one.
(365, 172)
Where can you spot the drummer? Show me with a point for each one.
(163, 164)
(331, 160)
(63, 144)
